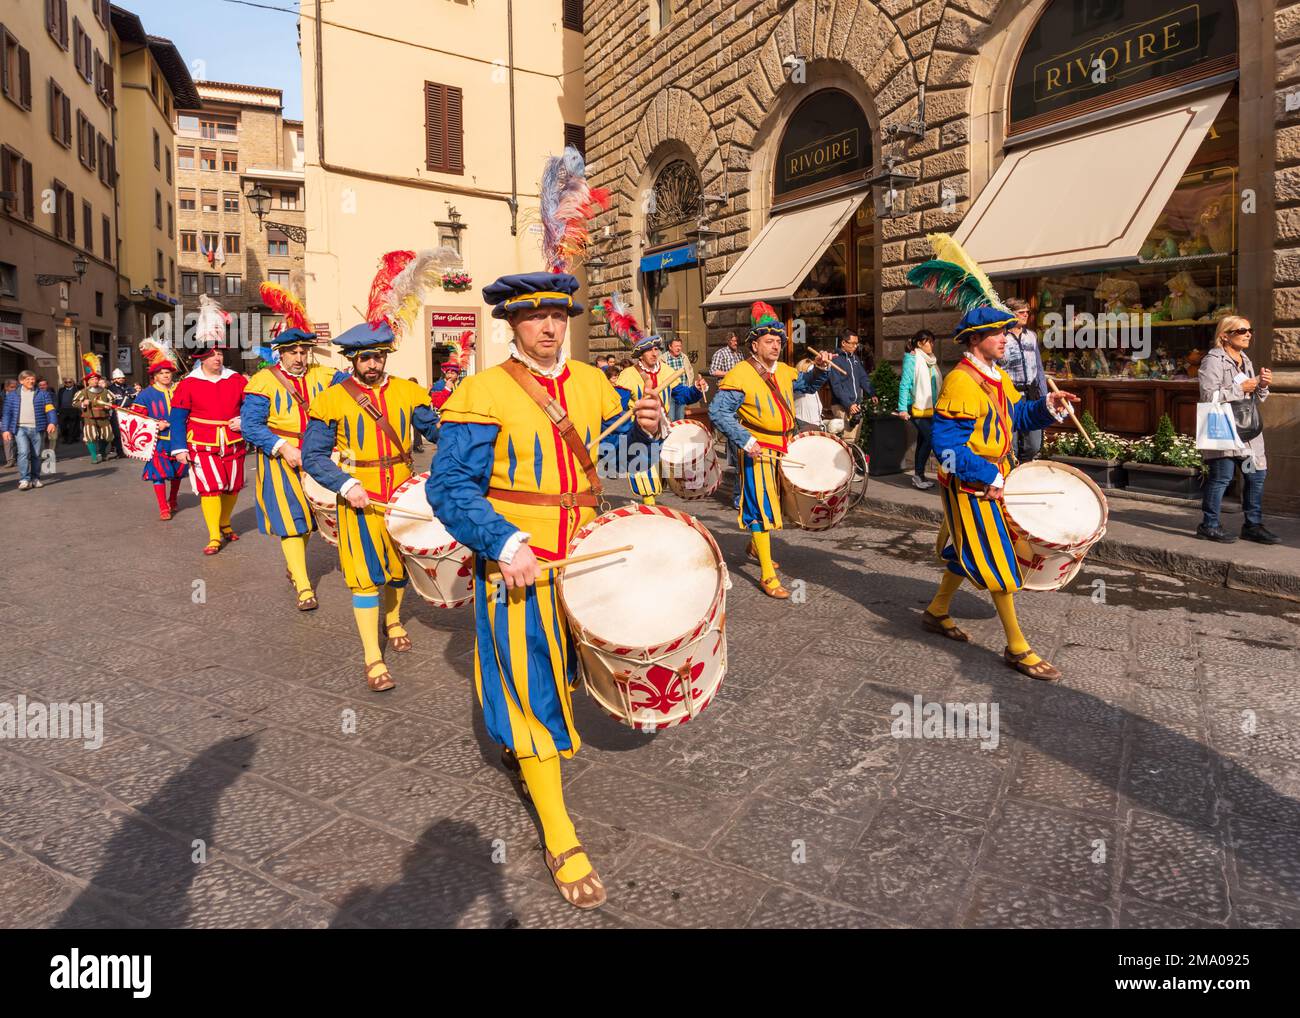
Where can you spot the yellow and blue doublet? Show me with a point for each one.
(632, 384)
(974, 419)
(366, 553)
(498, 456)
(746, 407)
(270, 416)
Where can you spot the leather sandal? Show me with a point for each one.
(773, 588)
(400, 643)
(935, 624)
(229, 534)
(585, 892)
(378, 681)
(1043, 670)
(307, 601)
(212, 548)
(752, 552)
(511, 763)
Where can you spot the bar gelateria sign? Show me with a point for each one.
(1086, 56)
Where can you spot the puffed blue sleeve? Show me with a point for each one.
(458, 484)
(950, 436)
(178, 426)
(339, 376)
(810, 381)
(724, 413)
(317, 446)
(253, 415)
(685, 395)
(425, 421)
(615, 455)
(1031, 415)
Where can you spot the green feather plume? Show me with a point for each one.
(954, 276)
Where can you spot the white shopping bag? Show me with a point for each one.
(1215, 428)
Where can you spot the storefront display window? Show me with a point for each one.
(670, 269)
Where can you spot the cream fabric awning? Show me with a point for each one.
(1087, 198)
(783, 253)
(34, 352)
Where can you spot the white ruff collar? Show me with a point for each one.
(991, 373)
(198, 372)
(532, 365)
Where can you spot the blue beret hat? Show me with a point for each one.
(532, 290)
(366, 337)
(293, 337)
(983, 319)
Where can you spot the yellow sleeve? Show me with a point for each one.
(416, 394)
(471, 402)
(611, 403)
(736, 378)
(262, 384)
(326, 406)
(1009, 389)
(961, 397)
(630, 379)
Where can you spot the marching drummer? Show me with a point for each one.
(274, 418)
(977, 413)
(372, 418)
(643, 377)
(513, 480)
(754, 408)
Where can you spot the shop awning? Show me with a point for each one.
(27, 350)
(1086, 199)
(783, 253)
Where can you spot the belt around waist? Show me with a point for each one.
(765, 431)
(383, 461)
(565, 500)
(285, 434)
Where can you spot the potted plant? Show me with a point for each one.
(883, 436)
(1165, 463)
(1102, 461)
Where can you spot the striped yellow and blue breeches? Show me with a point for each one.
(525, 666)
(367, 555)
(760, 493)
(974, 541)
(282, 508)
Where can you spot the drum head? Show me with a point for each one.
(825, 463)
(1070, 518)
(687, 441)
(423, 535)
(653, 594)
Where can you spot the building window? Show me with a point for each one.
(29, 203)
(187, 123)
(573, 15)
(107, 233)
(277, 243)
(280, 277)
(444, 134)
(88, 228)
(171, 221)
(186, 196)
(167, 162)
(185, 158)
(189, 283)
(209, 248)
(234, 286)
(232, 243)
(10, 171)
(209, 201)
(576, 135)
(101, 146)
(61, 198)
(15, 70)
(69, 209)
(189, 241)
(85, 141)
(167, 105)
(101, 11)
(99, 304)
(289, 199)
(211, 284)
(230, 162)
(157, 151)
(157, 209)
(56, 21)
(60, 115)
(207, 159)
(227, 129)
(171, 275)
(153, 86)
(230, 201)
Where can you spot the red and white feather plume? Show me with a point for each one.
(622, 322)
(397, 291)
(568, 202)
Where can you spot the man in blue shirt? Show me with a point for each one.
(849, 391)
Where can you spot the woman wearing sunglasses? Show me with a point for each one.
(1227, 370)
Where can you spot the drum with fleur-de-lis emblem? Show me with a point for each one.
(440, 569)
(818, 475)
(649, 623)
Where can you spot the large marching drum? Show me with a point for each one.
(688, 462)
(818, 480)
(324, 506)
(1055, 514)
(649, 624)
(441, 570)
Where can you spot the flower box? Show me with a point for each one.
(1104, 473)
(1156, 479)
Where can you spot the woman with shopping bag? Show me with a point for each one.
(1229, 432)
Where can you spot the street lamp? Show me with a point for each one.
(891, 190)
(79, 266)
(259, 202)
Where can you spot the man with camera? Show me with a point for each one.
(850, 389)
(1024, 363)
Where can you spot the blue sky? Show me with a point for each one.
(224, 41)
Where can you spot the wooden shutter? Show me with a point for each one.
(573, 15)
(444, 132)
(70, 215)
(576, 135)
(76, 46)
(455, 130)
(25, 78)
(29, 205)
(67, 121)
(54, 108)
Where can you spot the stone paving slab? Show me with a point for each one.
(246, 777)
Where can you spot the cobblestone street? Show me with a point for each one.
(1157, 786)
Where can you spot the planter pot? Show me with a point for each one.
(1104, 473)
(1154, 479)
(886, 445)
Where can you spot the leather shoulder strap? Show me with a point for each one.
(278, 374)
(362, 399)
(559, 419)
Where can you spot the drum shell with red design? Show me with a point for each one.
(649, 624)
(817, 484)
(441, 570)
(688, 462)
(1055, 524)
(324, 505)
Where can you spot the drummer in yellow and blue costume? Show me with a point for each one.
(975, 418)
(507, 485)
(754, 408)
(274, 418)
(377, 464)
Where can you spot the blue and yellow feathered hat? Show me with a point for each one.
(532, 290)
(764, 321)
(956, 278)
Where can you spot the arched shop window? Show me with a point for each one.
(1083, 58)
(827, 142)
(670, 268)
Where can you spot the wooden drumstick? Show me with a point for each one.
(818, 353)
(1086, 437)
(397, 510)
(572, 560)
(621, 418)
